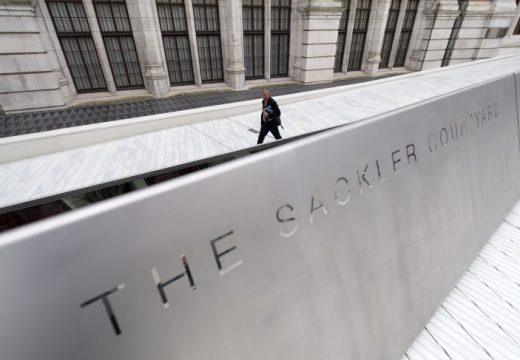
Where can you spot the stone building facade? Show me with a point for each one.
(53, 52)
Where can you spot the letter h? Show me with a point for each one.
(162, 285)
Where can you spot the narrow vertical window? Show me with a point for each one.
(342, 36)
(516, 31)
(174, 28)
(253, 22)
(280, 35)
(119, 43)
(359, 35)
(463, 4)
(73, 31)
(208, 40)
(391, 24)
(406, 33)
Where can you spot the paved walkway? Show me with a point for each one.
(43, 178)
(33, 122)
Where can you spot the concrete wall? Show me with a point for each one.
(338, 246)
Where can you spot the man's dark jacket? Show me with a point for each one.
(272, 109)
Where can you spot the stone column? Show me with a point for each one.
(192, 35)
(231, 30)
(296, 39)
(148, 42)
(100, 45)
(348, 40)
(511, 42)
(267, 39)
(376, 33)
(397, 35)
(320, 34)
(492, 20)
(515, 21)
(436, 29)
(56, 59)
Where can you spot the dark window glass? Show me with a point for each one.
(70, 22)
(172, 19)
(207, 26)
(13, 219)
(406, 32)
(280, 35)
(342, 36)
(516, 31)
(388, 39)
(253, 22)
(114, 24)
(359, 34)
(463, 4)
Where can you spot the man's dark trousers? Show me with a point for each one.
(265, 128)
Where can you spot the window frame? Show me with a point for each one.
(390, 30)
(355, 60)
(174, 35)
(342, 33)
(254, 33)
(76, 35)
(278, 32)
(117, 35)
(208, 34)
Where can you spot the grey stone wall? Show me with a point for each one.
(31, 77)
(320, 20)
(484, 25)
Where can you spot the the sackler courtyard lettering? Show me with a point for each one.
(363, 179)
(461, 127)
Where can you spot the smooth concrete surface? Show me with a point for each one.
(338, 246)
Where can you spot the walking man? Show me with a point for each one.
(270, 117)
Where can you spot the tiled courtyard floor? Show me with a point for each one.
(33, 122)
